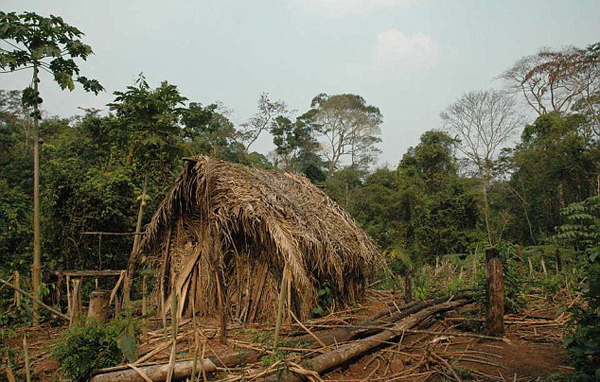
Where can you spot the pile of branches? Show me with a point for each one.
(325, 346)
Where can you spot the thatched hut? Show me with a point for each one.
(232, 229)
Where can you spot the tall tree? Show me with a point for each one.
(351, 128)
(295, 142)
(482, 121)
(556, 80)
(149, 119)
(268, 111)
(42, 43)
(208, 130)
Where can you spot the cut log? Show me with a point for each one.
(349, 351)
(181, 370)
(494, 291)
(98, 308)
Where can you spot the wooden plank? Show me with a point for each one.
(89, 273)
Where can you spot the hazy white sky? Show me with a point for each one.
(411, 58)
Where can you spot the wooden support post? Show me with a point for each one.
(544, 266)
(17, 293)
(98, 309)
(222, 308)
(76, 303)
(494, 288)
(280, 304)
(69, 302)
(144, 310)
(26, 359)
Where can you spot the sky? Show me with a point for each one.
(410, 58)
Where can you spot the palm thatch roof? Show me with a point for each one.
(241, 226)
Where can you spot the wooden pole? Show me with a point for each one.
(144, 310)
(544, 266)
(132, 256)
(76, 312)
(26, 359)
(280, 304)
(222, 308)
(17, 293)
(36, 267)
(494, 288)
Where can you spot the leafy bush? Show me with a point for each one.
(583, 345)
(81, 349)
(582, 232)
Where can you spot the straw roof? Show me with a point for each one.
(222, 217)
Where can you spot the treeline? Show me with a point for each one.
(461, 188)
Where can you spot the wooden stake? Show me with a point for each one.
(76, 304)
(163, 271)
(222, 309)
(544, 266)
(144, 310)
(280, 304)
(494, 288)
(17, 293)
(26, 358)
(174, 330)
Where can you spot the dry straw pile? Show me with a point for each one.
(228, 226)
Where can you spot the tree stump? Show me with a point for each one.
(494, 290)
(98, 308)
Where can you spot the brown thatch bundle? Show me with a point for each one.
(227, 225)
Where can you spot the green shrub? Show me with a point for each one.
(81, 349)
(583, 344)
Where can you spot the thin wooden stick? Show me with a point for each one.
(113, 292)
(17, 293)
(174, 328)
(280, 306)
(140, 373)
(144, 310)
(26, 357)
(222, 309)
(308, 331)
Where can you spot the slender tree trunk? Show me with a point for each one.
(486, 207)
(136, 241)
(36, 268)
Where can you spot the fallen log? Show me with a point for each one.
(344, 353)
(181, 370)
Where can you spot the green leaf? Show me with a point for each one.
(127, 344)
